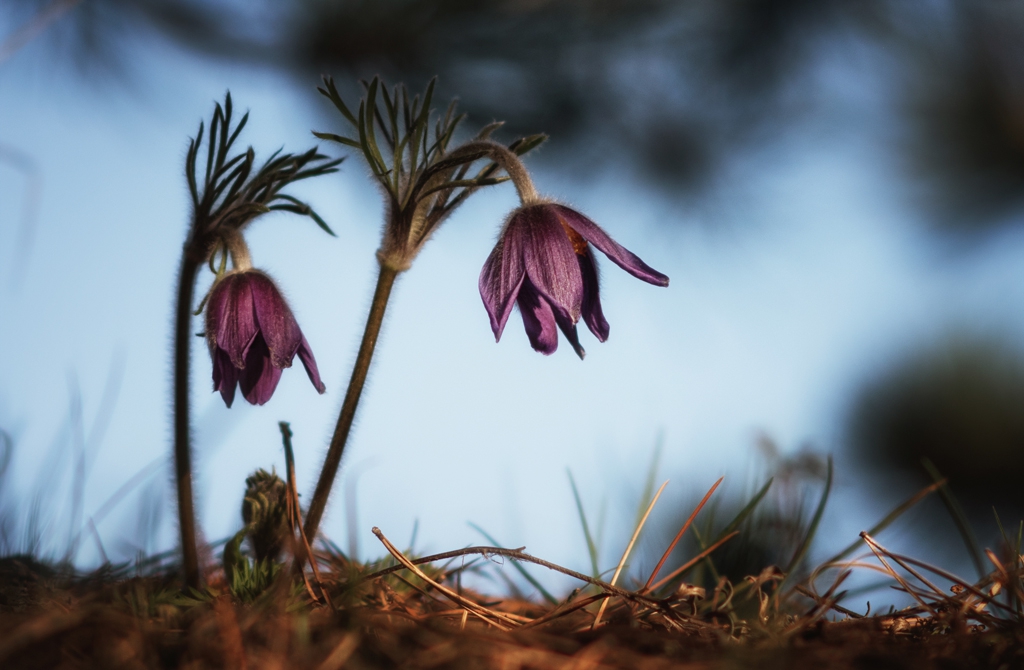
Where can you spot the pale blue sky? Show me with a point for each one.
(799, 277)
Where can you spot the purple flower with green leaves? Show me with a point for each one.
(543, 262)
(253, 336)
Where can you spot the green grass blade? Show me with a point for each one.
(715, 576)
(652, 475)
(591, 545)
(999, 525)
(812, 529)
(887, 519)
(747, 510)
(959, 518)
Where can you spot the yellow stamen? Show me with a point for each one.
(579, 245)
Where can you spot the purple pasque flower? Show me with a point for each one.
(543, 262)
(253, 336)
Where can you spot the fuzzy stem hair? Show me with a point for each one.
(329, 471)
(507, 160)
(182, 430)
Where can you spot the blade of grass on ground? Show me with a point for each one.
(591, 546)
(733, 526)
(801, 550)
(747, 510)
(959, 518)
(652, 476)
(679, 535)
(888, 519)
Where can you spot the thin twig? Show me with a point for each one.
(889, 518)
(896, 575)
(956, 580)
(566, 609)
(516, 555)
(474, 608)
(295, 513)
(804, 591)
(821, 606)
(420, 590)
(871, 541)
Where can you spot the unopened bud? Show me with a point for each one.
(265, 513)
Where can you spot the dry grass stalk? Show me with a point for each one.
(679, 536)
(629, 548)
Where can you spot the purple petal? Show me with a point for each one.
(621, 256)
(550, 259)
(260, 377)
(275, 320)
(538, 319)
(592, 314)
(225, 376)
(502, 275)
(308, 362)
(568, 328)
(230, 317)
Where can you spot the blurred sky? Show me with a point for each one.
(802, 274)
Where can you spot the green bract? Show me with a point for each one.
(424, 180)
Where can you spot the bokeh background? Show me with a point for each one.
(836, 190)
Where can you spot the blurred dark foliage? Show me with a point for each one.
(967, 114)
(24, 581)
(6, 520)
(674, 85)
(679, 88)
(770, 536)
(959, 404)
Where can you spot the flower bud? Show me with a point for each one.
(265, 513)
(253, 336)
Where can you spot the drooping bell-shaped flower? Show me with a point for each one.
(253, 336)
(543, 262)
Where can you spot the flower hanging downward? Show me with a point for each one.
(544, 263)
(253, 336)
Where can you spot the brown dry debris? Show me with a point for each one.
(414, 613)
(397, 621)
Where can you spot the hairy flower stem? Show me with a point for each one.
(182, 428)
(508, 161)
(385, 281)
